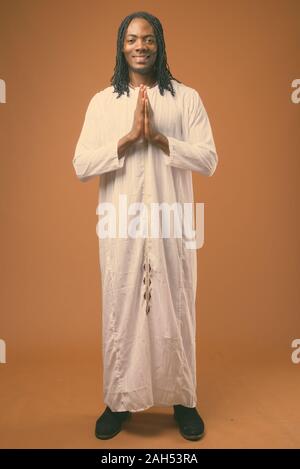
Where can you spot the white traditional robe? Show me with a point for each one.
(148, 284)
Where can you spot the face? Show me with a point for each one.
(140, 46)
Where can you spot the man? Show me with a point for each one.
(145, 142)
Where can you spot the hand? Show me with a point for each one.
(137, 130)
(150, 132)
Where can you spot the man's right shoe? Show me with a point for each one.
(109, 423)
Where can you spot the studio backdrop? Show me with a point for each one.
(242, 57)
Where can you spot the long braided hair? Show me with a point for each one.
(120, 78)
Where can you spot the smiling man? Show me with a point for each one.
(144, 135)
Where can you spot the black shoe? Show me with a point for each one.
(191, 425)
(109, 423)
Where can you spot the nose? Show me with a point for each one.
(140, 47)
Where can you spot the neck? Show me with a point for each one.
(138, 79)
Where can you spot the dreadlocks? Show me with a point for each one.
(120, 78)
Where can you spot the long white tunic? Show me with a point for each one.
(148, 283)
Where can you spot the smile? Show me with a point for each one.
(141, 58)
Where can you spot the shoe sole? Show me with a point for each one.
(111, 435)
(194, 437)
(106, 437)
(189, 437)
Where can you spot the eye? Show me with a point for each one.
(149, 40)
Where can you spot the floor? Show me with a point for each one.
(53, 402)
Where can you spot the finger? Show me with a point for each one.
(146, 125)
(141, 92)
(140, 97)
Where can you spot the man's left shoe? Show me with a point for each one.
(191, 425)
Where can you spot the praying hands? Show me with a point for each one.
(143, 125)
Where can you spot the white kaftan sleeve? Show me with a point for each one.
(198, 153)
(91, 157)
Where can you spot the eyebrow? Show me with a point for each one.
(147, 35)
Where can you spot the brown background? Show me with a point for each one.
(242, 57)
